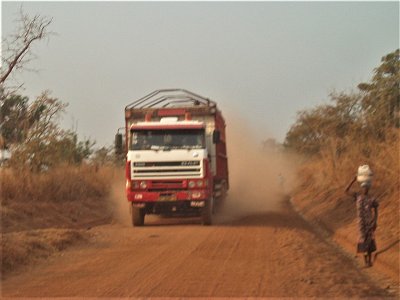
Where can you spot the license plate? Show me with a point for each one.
(168, 197)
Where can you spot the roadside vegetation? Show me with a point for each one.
(53, 185)
(356, 128)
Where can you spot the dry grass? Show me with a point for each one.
(62, 197)
(64, 183)
(42, 213)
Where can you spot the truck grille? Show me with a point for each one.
(167, 185)
(166, 163)
(167, 169)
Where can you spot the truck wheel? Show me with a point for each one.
(137, 216)
(208, 211)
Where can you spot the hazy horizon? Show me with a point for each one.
(262, 61)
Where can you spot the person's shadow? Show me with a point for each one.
(386, 249)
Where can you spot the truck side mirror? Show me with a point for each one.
(118, 143)
(216, 136)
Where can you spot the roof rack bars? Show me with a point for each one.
(170, 97)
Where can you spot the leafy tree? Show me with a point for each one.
(44, 143)
(14, 119)
(68, 149)
(314, 127)
(381, 97)
(352, 118)
(103, 156)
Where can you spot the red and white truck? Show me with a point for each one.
(176, 159)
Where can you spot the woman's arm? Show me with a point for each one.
(347, 190)
(375, 207)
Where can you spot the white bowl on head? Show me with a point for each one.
(364, 174)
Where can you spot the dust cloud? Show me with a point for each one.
(119, 206)
(260, 175)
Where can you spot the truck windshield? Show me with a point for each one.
(167, 139)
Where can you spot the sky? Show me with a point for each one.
(261, 62)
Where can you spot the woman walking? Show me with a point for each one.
(367, 213)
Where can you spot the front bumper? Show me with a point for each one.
(167, 196)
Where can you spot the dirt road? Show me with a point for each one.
(270, 254)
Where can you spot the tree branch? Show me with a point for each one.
(31, 30)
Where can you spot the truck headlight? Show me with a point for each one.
(143, 184)
(192, 184)
(199, 183)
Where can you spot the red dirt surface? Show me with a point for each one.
(265, 254)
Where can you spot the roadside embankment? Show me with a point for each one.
(327, 206)
(44, 213)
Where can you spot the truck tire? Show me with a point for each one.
(208, 211)
(137, 216)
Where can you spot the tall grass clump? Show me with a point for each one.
(59, 184)
(66, 196)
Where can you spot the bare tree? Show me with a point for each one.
(17, 48)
